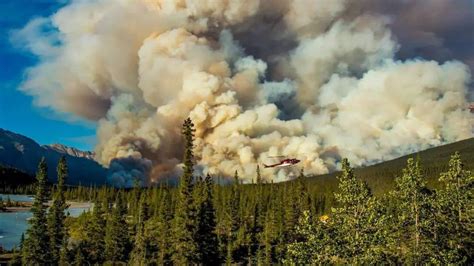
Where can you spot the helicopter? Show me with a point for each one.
(283, 163)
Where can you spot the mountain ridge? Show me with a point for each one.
(23, 153)
(61, 148)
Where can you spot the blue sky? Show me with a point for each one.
(17, 112)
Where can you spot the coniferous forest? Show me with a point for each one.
(202, 222)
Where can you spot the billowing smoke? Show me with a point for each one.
(315, 80)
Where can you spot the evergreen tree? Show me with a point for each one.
(95, 234)
(63, 252)
(206, 237)
(116, 237)
(157, 230)
(22, 241)
(358, 220)
(259, 176)
(16, 258)
(268, 235)
(454, 214)
(412, 199)
(79, 258)
(36, 249)
(300, 201)
(56, 215)
(234, 220)
(184, 222)
(303, 250)
(140, 249)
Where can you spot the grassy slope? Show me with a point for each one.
(380, 177)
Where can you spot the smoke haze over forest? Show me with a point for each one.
(316, 80)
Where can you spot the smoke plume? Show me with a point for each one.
(315, 80)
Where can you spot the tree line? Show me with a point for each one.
(201, 222)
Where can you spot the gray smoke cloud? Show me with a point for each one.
(312, 79)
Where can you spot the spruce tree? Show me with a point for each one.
(454, 219)
(36, 249)
(234, 220)
(157, 230)
(206, 237)
(297, 200)
(56, 216)
(303, 250)
(412, 199)
(184, 222)
(79, 258)
(140, 249)
(95, 234)
(63, 252)
(358, 220)
(116, 238)
(268, 235)
(259, 176)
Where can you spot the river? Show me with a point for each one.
(13, 224)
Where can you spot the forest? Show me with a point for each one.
(202, 222)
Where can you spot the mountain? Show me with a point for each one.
(70, 151)
(381, 177)
(24, 154)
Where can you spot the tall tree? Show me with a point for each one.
(116, 238)
(234, 219)
(157, 230)
(36, 250)
(184, 222)
(57, 216)
(140, 249)
(259, 176)
(95, 234)
(412, 197)
(359, 221)
(454, 214)
(206, 237)
(79, 258)
(314, 244)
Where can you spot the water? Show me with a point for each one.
(13, 224)
(15, 197)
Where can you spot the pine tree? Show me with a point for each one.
(157, 230)
(411, 196)
(184, 222)
(95, 234)
(206, 237)
(56, 216)
(63, 252)
(22, 241)
(303, 250)
(116, 238)
(79, 258)
(259, 176)
(140, 249)
(358, 220)
(301, 199)
(454, 215)
(269, 234)
(36, 250)
(297, 200)
(234, 220)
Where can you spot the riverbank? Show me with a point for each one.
(26, 206)
(14, 222)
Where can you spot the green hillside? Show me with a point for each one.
(380, 177)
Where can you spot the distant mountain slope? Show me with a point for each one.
(380, 177)
(23, 153)
(70, 150)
